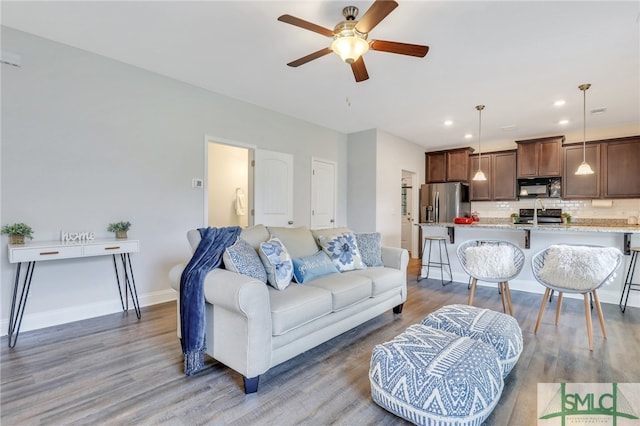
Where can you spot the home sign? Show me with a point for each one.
(68, 237)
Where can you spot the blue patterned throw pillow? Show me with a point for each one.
(243, 259)
(315, 266)
(370, 248)
(343, 251)
(277, 262)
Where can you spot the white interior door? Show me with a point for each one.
(323, 194)
(273, 188)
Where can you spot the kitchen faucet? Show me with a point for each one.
(535, 211)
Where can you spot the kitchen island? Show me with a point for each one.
(532, 239)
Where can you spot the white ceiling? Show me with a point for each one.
(515, 57)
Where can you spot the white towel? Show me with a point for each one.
(241, 202)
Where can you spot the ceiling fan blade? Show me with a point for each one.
(288, 19)
(376, 13)
(359, 70)
(315, 55)
(400, 48)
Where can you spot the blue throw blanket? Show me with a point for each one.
(207, 256)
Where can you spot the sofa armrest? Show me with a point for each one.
(238, 320)
(394, 257)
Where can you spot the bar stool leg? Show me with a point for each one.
(472, 291)
(429, 260)
(448, 263)
(422, 264)
(628, 281)
(543, 305)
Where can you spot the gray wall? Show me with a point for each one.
(87, 141)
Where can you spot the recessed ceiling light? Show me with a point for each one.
(448, 122)
(563, 122)
(559, 102)
(468, 136)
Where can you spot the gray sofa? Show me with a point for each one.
(252, 326)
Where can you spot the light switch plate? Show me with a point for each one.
(196, 183)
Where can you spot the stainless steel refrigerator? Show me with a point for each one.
(442, 202)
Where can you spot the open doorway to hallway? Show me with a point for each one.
(229, 197)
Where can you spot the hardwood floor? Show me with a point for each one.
(119, 370)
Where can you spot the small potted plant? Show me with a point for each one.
(120, 228)
(566, 217)
(515, 217)
(17, 232)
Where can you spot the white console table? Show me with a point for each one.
(40, 251)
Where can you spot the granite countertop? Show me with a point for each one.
(577, 227)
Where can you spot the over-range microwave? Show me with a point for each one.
(540, 188)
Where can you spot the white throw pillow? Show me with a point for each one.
(578, 267)
(343, 251)
(277, 262)
(490, 261)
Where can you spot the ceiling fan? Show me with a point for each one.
(350, 37)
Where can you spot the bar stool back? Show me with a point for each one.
(491, 261)
(580, 269)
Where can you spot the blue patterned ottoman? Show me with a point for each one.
(433, 377)
(495, 328)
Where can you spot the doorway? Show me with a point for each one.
(407, 207)
(229, 185)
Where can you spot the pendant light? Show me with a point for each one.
(479, 174)
(584, 168)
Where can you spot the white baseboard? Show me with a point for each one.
(91, 310)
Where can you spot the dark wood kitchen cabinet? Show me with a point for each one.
(447, 166)
(583, 186)
(540, 157)
(620, 165)
(500, 169)
(615, 163)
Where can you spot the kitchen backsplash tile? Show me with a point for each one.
(578, 209)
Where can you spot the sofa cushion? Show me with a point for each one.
(297, 305)
(311, 267)
(343, 250)
(277, 263)
(329, 232)
(255, 235)
(383, 279)
(369, 245)
(243, 259)
(298, 241)
(346, 289)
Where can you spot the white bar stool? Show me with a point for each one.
(628, 282)
(568, 268)
(494, 261)
(440, 264)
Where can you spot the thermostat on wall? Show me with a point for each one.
(196, 183)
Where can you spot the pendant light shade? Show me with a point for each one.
(479, 174)
(584, 168)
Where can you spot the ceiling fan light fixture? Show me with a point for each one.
(348, 43)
